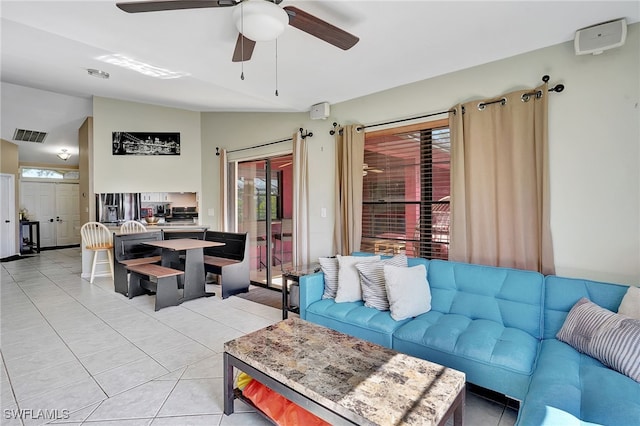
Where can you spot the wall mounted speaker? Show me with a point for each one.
(598, 38)
(320, 111)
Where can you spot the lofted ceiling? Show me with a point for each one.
(49, 45)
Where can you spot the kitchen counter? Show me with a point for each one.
(165, 226)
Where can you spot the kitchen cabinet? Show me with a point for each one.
(154, 197)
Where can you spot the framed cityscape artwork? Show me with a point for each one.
(145, 143)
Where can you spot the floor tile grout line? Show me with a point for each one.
(64, 343)
(233, 307)
(13, 392)
(75, 355)
(169, 394)
(15, 398)
(141, 311)
(107, 324)
(101, 319)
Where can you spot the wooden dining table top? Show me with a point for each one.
(183, 244)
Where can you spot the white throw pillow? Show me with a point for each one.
(408, 291)
(349, 289)
(630, 305)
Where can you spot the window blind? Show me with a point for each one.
(406, 191)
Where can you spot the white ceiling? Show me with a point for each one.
(49, 45)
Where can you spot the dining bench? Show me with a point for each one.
(229, 261)
(155, 278)
(129, 249)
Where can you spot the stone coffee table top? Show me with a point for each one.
(350, 376)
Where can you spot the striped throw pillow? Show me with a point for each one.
(329, 266)
(371, 274)
(612, 339)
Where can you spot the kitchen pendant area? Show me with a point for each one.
(169, 208)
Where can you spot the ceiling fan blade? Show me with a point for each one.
(157, 6)
(319, 28)
(243, 53)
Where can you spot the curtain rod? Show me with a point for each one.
(403, 119)
(303, 135)
(333, 131)
(525, 97)
(257, 146)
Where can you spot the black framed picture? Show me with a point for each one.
(145, 143)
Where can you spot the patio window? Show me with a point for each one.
(406, 191)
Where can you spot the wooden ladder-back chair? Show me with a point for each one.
(97, 238)
(131, 227)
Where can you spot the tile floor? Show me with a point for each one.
(77, 353)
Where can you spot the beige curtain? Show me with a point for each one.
(223, 223)
(500, 183)
(300, 235)
(349, 160)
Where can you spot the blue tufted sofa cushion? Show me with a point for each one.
(484, 321)
(562, 293)
(570, 388)
(355, 319)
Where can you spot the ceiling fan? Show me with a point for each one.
(366, 169)
(256, 20)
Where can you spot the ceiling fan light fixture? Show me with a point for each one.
(260, 20)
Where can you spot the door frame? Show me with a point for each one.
(232, 208)
(8, 200)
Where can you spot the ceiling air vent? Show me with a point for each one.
(29, 136)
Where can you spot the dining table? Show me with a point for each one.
(194, 274)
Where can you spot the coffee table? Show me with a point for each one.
(343, 379)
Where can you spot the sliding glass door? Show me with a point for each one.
(263, 193)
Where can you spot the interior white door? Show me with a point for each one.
(39, 198)
(57, 207)
(67, 214)
(8, 215)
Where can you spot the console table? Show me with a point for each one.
(32, 242)
(343, 379)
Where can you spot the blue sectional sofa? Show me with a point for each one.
(571, 388)
(498, 325)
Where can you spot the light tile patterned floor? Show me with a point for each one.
(78, 353)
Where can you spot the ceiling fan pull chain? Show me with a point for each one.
(242, 41)
(276, 67)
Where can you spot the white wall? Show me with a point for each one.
(594, 138)
(134, 173)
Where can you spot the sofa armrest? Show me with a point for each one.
(311, 290)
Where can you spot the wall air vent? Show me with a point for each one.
(29, 136)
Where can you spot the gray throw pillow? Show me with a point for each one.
(374, 292)
(329, 266)
(612, 339)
